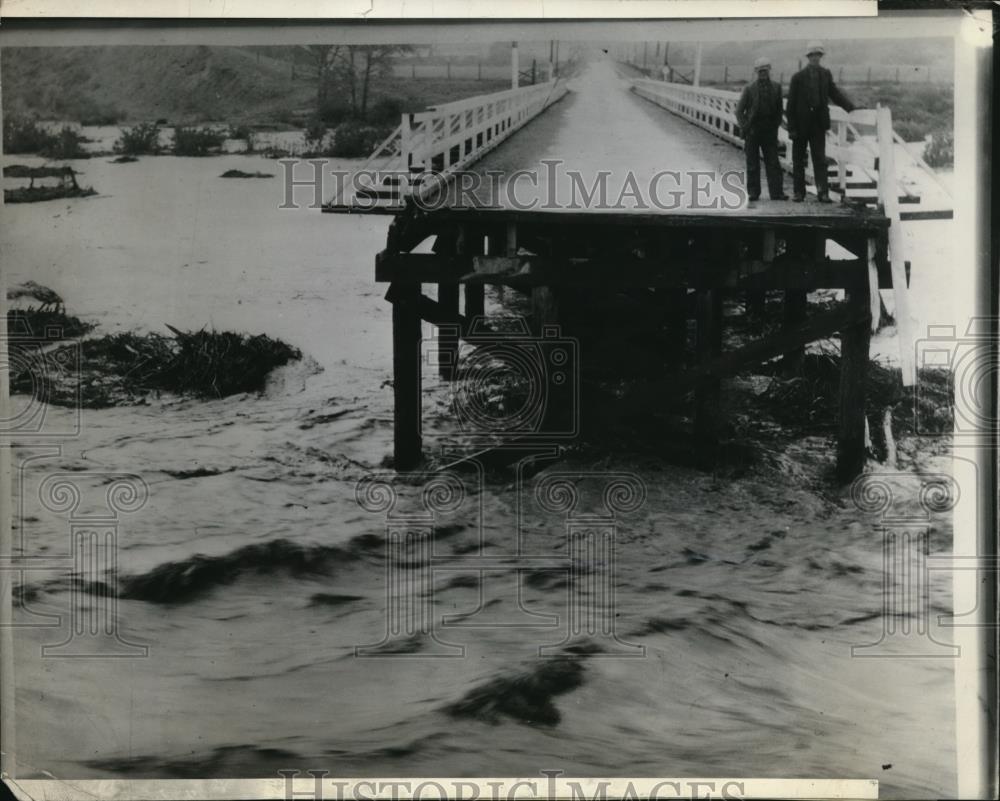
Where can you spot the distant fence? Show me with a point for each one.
(842, 73)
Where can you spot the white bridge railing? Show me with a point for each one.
(862, 145)
(715, 110)
(429, 146)
(445, 138)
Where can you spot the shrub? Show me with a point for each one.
(139, 140)
(23, 135)
(67, 144)
(356, 139)
(196, 141)
(244, 132)
(940, 150)
(386, 110)
(239, 130)
(315, 138)
(334, 112)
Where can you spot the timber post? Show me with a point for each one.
(689, 268)
(795, 311)
(448, 335)
(677, 317)
(475, 293)
(810, 246)
(855, 342)
(707, 412)
(406, 364)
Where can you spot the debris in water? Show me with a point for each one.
(526, 697)
(241, 174)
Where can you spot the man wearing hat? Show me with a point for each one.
(759, 116)
(809, 94)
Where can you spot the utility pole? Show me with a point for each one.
(697, 66)
(513, 66)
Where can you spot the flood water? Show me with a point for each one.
(251, 573)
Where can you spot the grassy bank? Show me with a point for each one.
(189, 85)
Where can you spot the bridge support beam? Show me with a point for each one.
(796, 306)
(406, 361)
(707, 412)
(688, 271)
(447, 336)
(677, 319)
(855, 342)
(475, 293)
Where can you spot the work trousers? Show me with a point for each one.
(814, 139)
(758, 144)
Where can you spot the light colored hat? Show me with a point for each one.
(815, 47)
(762, 62)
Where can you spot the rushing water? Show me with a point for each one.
(251, 572)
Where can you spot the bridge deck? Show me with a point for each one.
(600, 126)
(517, 226)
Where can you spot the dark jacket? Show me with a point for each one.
(751, 112)
(801, 117)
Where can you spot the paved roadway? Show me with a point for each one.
(601, 126)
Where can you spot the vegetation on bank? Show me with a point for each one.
(197, 141)
(25, 135)
(139, 140)
(266, 87)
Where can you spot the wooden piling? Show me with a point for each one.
(475, 294)
(407, 444)
(855, 341)
(756, 300)
(448, 298)
(544, 308)
(707, 413)
(796, 306)
(756, 304)
(447, 336)
(677, 314)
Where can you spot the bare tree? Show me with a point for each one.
(321, 61)
(360, 64)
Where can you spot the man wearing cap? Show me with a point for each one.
(809, 94)
(759, 116)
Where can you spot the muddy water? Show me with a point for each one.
(251, 573)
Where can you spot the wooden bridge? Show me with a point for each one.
(492, 232)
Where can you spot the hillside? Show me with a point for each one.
(186, 84)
